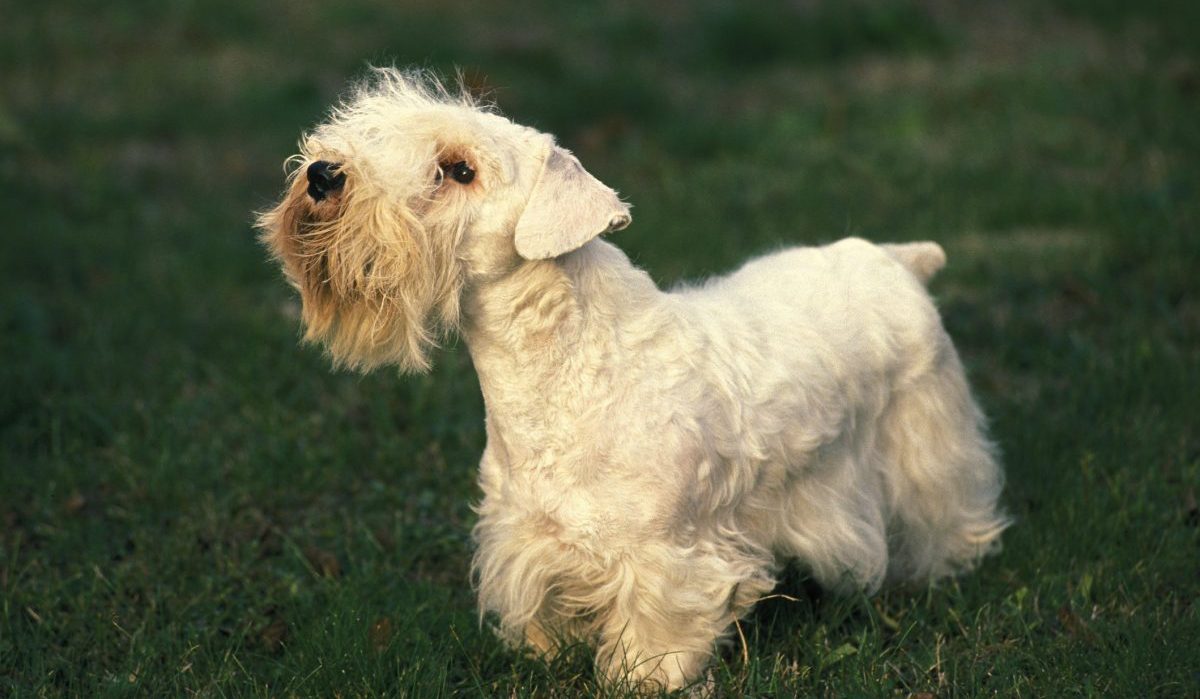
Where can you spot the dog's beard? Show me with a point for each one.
(365, 270)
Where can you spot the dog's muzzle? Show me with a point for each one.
(324, 178)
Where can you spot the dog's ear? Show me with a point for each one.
(567, 208)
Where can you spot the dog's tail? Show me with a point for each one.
(922, 259)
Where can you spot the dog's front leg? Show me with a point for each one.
(650, 649)
(539, 640)
(670, 608)
(549, 633)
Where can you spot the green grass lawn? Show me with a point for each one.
(191, 503)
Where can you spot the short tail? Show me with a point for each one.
(922, 259)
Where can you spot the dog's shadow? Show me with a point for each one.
(797, 601)
(799, 621)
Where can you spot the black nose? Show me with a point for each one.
(323, 178)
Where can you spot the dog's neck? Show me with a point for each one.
(543, 313)
(549, 326)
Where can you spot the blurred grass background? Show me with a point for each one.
(193, 504)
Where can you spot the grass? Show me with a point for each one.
(193, 504)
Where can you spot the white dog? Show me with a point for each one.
(652, 457)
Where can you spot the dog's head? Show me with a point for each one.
(406, 195)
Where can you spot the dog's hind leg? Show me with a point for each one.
(835, 521)
(941, 475)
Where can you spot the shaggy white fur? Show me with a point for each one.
(652, 458)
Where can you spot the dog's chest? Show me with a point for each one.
(601, 516)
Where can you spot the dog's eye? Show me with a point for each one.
(461, 173)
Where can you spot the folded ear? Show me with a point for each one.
(567, 208)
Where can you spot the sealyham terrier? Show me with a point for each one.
(652, 457)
